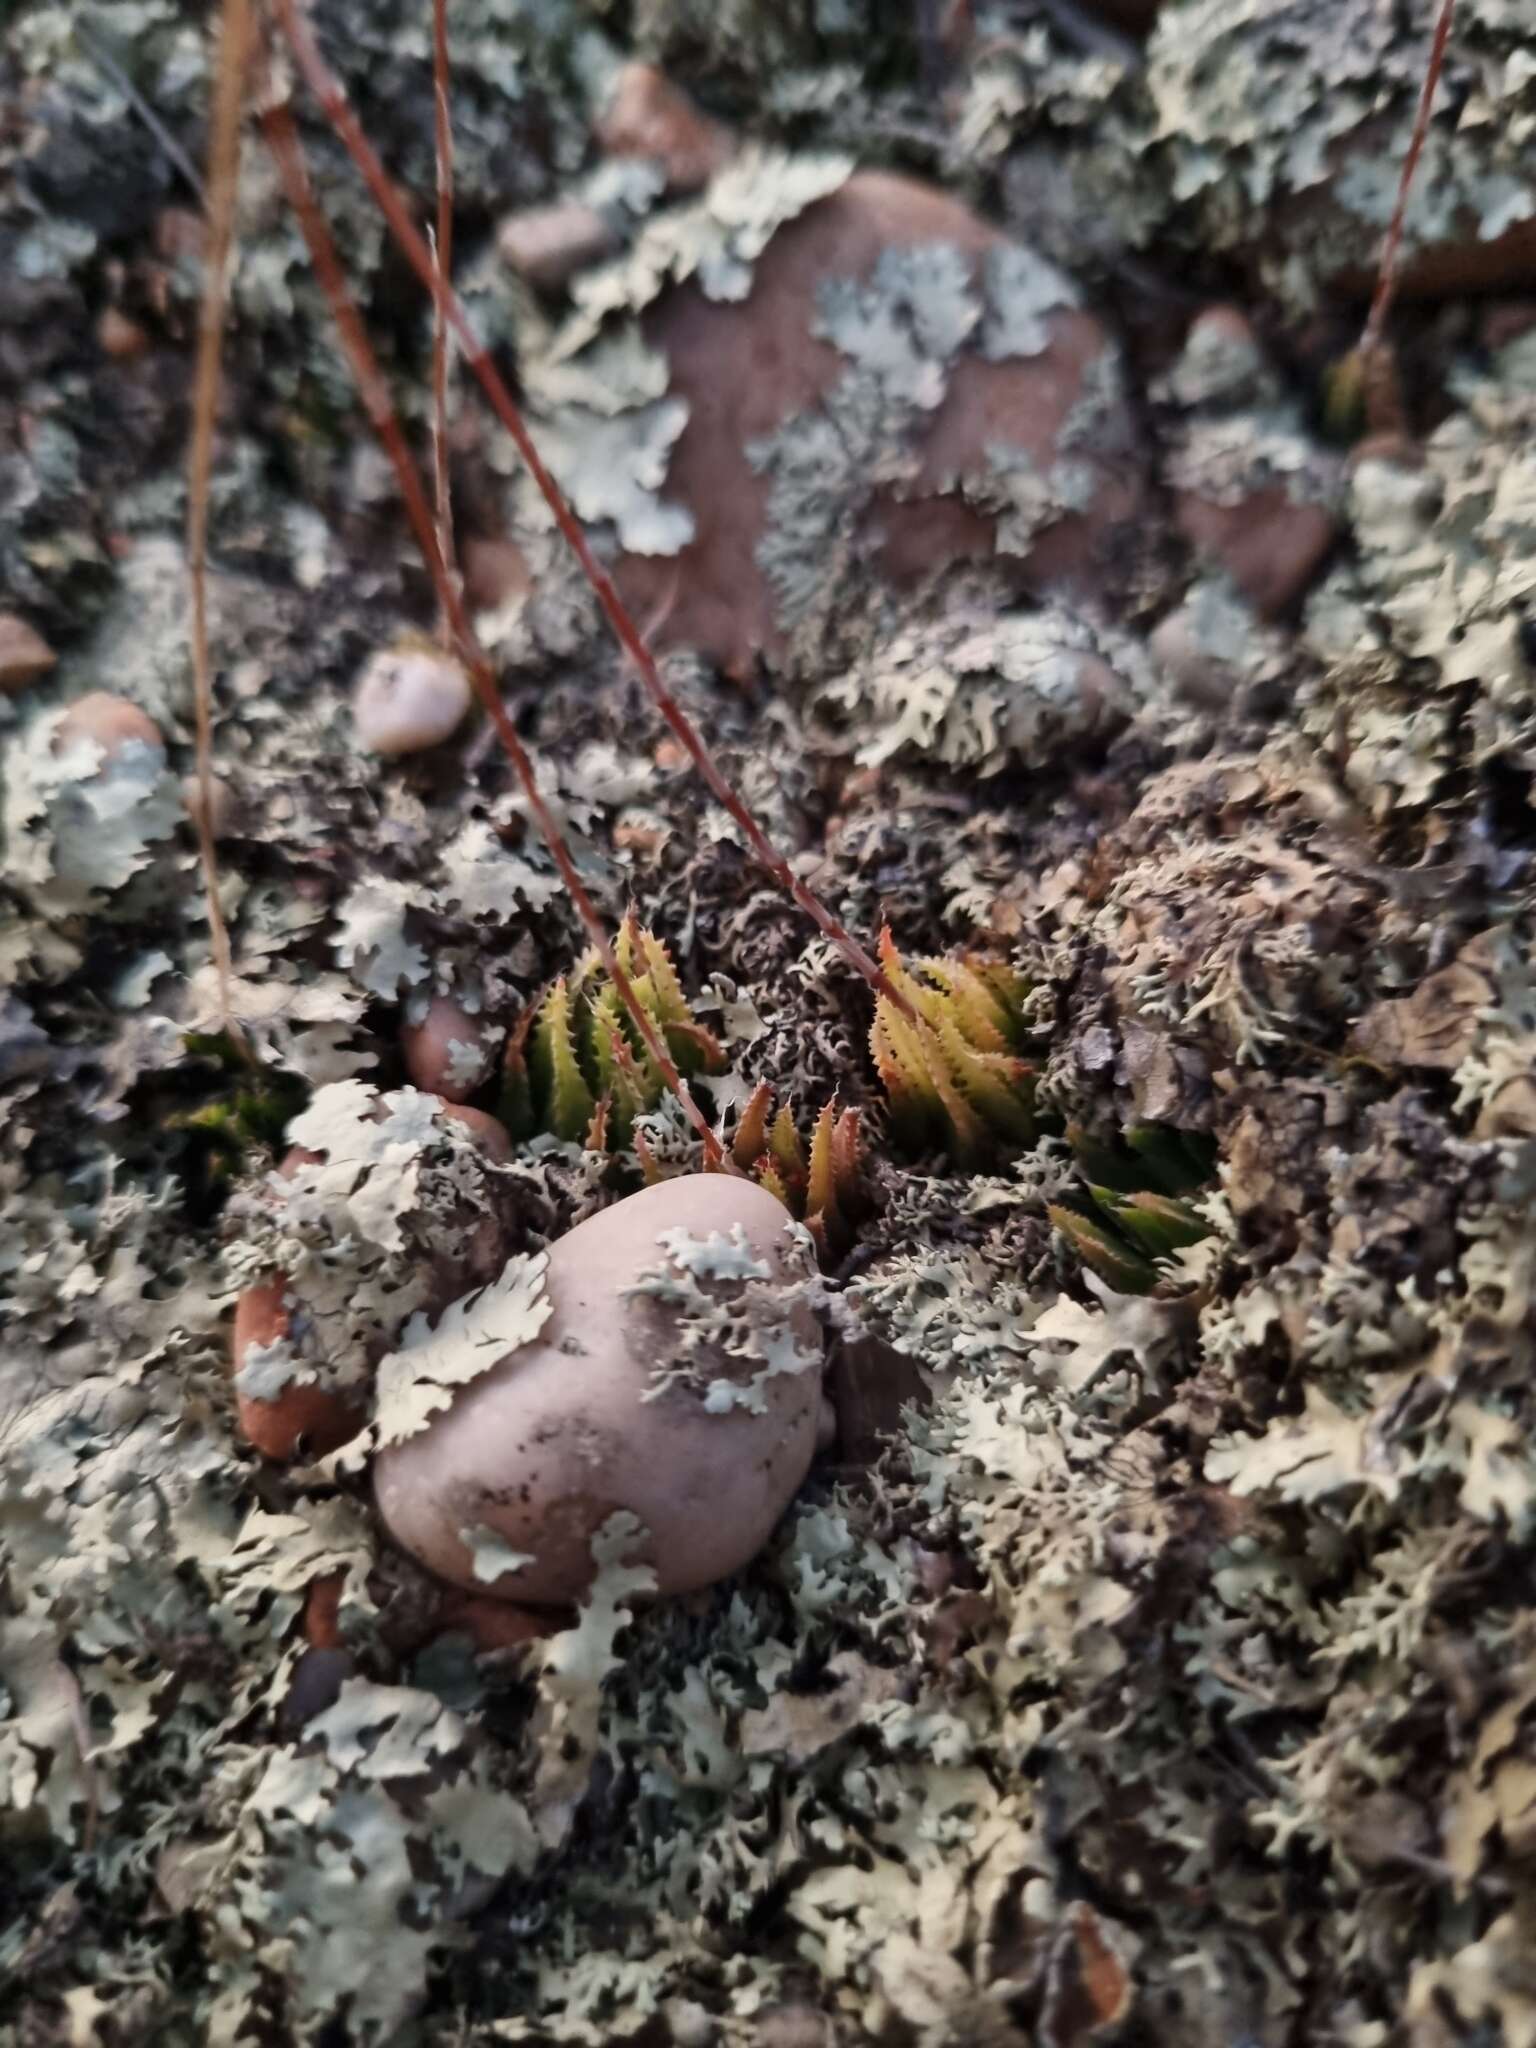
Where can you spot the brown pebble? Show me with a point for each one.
(305, 1418)
(322, 1611)
(428, 1049)
(746, 368)
(24, 654)
(112, 722)
(1270, 544)
(495, 571)
(648, 116)
(488, 1133)
(119, 337)
(547, 245)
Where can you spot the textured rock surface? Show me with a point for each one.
(1045, 409)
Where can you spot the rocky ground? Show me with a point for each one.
(963, 396)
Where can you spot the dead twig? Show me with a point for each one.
(442, 250)
(337, 109)
(235, 45)
(283, 139)
(1392, 241)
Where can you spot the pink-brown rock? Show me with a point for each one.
(112, 722)
(449, 1050)
(547, 245)
(24, 654)
(549, 1444)
(409, 698)
(646, 115)
(745, 368)
(1271, 545)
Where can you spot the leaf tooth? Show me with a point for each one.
(751, 1139)
(821, 1174)
(568, 1097)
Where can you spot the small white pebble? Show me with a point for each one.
(409, 698)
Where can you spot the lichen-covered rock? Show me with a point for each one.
(674, 1375)
(1427, 630)
(447, 1049)
(821, 369)
(1282, 125)
(90, 803)
(1253, 492)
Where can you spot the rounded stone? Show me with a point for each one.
(448, 1051)
(305, 1417)
(113, 723)
(745, 368)
(572, 1429)
(408, 699)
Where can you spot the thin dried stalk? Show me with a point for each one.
(334, 104)
(235, 42)
(1392, 241)
(283, 139)
(442, 250)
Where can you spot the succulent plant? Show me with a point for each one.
(818, 1183)
(956, 1080)
(1136, 1207)
(575, 1065)
(952, 1072)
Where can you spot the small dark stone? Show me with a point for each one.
(317, 1680)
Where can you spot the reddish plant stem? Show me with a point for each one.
(283, 139)
(443, 252)
(1392, 241)
(338, 111)
(235, 44)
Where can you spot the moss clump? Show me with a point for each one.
(249, 1110)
